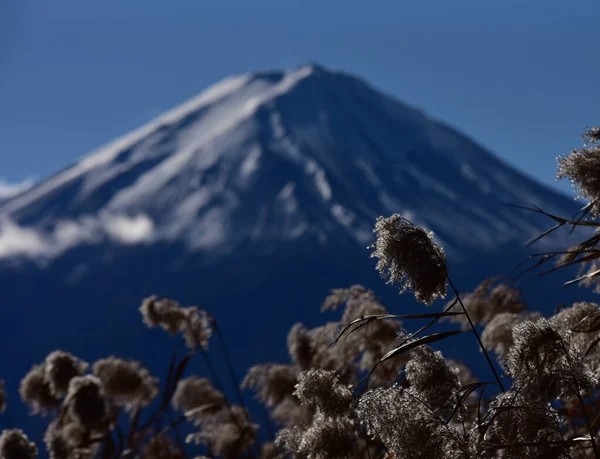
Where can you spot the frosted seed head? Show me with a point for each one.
(289, 412)
(409, 257)
(14, 444)
(163, 312)
(497, 336)
(272, 382)
(407, 426)
(591, 136)
(269, 450)
(127, 382)
(60, 367)
(35, 391)
(230, 433)
(300, 346)
(328, 438)
(516, 418)
(86, 404)
(430, 377)
(582, 168)
(544, 363)
(197, 328)
(160, 447)
(340, 296)
(198, 398)
(322, 389)
(64, 442)
(289, 439)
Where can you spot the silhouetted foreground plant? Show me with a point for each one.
(114, 408)
(361, 387)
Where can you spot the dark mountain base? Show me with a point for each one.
(255, 299)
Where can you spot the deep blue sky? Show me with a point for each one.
(521, 77)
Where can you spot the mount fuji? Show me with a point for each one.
(251, 200)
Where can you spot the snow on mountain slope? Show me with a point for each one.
(272, 157)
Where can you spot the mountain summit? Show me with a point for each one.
(251, 200)
(270, 158)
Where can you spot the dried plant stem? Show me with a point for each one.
(268, 425)
(220, 386)
(175, 428)
(174, 422)
(476, 333)
(9, 419)
(212, 371)
(232, 375)
(586, 418)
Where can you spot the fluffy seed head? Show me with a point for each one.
(198, 398)
(269, 450)
(289, 439)
(289, 412)
(197, 329)
(35, 391)
(328, 438)
(60, 367)
(161, 447)
(57, 444)
(409, 256)
(353, 295)
(338, 358)
(430, 377)
(322, 389)
(163, 312)
(518, 419)
(580, 318)
(14, 444)
(544, 363)
(497, 335)
(126, 381)
(582, 168)
(300, 346)
(193, 322)
(272, 382)
(406, 426)
(569, 317)
(85, 402)
(230, 433)
(63, 442)
(591, 136)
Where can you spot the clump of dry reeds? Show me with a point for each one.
(428, 409)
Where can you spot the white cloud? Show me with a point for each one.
(8, 190)
(15, 240)
(69, 233)
(129, 230)
(33, 243)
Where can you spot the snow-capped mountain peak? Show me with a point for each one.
(275, 156)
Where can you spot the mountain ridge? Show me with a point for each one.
(210, 152)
